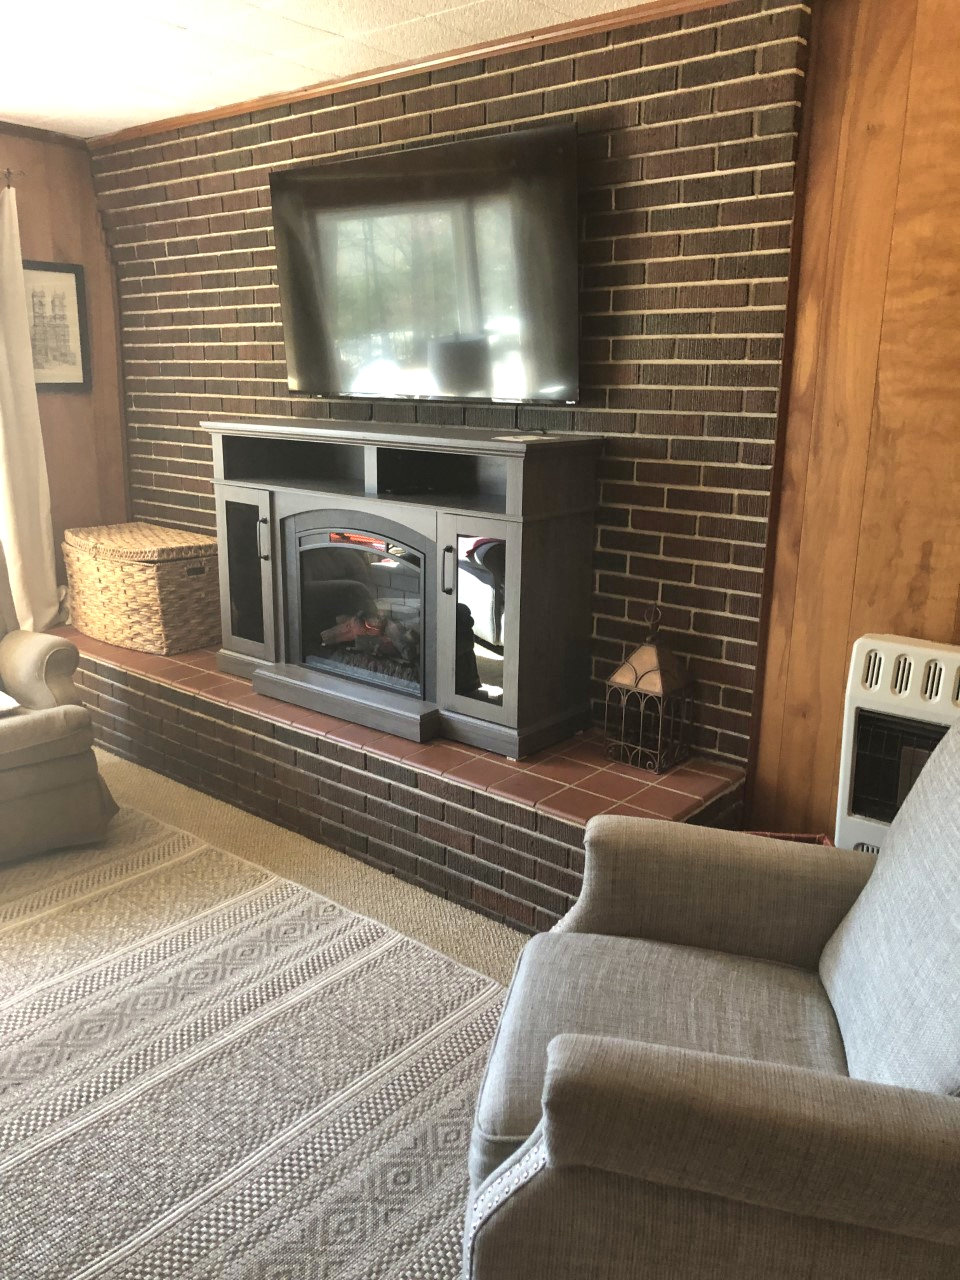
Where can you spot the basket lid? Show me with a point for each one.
(140, 541)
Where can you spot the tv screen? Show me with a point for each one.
(446, 271)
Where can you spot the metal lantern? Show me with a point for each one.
(649, 706)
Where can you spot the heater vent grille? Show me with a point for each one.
(872, 669)
(863, 847)
(902, 674)
(932, 679)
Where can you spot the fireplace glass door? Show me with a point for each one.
(246, 570)
(361, 608)
(479, 582)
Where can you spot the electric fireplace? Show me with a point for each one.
(357, 598)
(361, 608)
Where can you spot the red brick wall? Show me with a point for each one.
(688, 130)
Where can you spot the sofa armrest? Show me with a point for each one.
(37, 669)
(706, 887)
(770, 1135)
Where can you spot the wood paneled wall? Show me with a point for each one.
(83, 432)
(868, 537)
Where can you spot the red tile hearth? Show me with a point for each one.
(574, 805)
(578, 766)
(454, 818)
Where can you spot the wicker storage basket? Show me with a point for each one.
(144, 587)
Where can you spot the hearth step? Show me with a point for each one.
(375, 708)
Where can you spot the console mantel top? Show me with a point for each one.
(411, 436)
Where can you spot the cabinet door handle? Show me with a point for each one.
(447, 551)
(263, 522)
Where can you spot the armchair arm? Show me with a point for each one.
(769, 1135)
(37, 669)
(706, 887)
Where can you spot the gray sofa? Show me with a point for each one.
(734, 1058)
(51, 793)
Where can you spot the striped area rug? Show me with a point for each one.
(209, 1072)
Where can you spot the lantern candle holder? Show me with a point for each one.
(648, 716)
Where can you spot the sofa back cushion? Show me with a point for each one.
(892, 968)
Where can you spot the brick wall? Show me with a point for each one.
(688, 130)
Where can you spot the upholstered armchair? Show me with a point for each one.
(51, 794)
(734, 1058)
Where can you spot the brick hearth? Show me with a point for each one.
(502, 837)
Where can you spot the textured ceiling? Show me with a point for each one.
(90, 67)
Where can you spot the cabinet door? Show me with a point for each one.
(246, 571)
(478, 611)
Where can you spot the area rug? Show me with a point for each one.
(209, 1072)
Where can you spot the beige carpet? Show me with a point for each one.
(471, 939)
(208, 1072)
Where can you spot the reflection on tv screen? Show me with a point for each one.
(426, 300)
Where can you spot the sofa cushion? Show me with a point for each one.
(32, 737)
(892, 968)
(652, 991)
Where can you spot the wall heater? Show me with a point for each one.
(902, 697)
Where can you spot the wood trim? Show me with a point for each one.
(543, 35)
(802, 196)
(831, 56)
(39, 135)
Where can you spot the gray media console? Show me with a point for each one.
(423, 581)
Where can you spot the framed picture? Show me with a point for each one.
(57, 309)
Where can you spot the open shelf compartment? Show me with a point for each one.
(465, 481)
(311, 464)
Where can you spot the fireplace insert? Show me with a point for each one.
(361, 608)
(357, 599)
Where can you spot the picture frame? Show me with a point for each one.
(57, 311)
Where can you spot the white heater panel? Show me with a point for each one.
(893, 676)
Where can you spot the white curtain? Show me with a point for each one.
(26, 529)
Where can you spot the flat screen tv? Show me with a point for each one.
(442, 272)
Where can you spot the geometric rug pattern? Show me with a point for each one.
(210, 1073)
